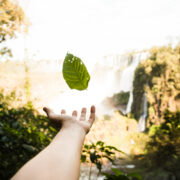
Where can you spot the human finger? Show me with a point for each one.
(63, 112)
(55, 119)
(49, 112)
(74, 113)
(83, 114)
(92, 115)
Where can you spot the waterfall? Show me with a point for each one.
(111, 74)
(126, 80)
(115, 74)
(127, 77)
(128, 108)
(142, 119)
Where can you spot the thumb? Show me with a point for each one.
(48, 111)
(55, 119)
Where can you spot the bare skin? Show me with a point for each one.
(61, 158)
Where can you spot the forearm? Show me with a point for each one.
(70, 142)
(60, 160)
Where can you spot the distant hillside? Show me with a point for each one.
(159, 78)
(44, 78)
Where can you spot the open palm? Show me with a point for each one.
(66, 120)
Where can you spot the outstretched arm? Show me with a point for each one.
(61, 158)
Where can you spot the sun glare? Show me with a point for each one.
(93, 29)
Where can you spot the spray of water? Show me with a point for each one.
(110, 75)
(142, 119)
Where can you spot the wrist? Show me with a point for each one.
(75, 132)
(73, 127)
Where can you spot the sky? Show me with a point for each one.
(93, 28)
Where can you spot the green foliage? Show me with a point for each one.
(27, 85)
(159, 78)
(140, 80)
(23, 133)
(96, 153)
(171, 126)
(75, 73)
(119, 175)
(120, 98)
(12, 19)
(158, 69)
(177, 97)
(5, 51)
(163, 147)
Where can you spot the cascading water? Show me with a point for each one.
(127, 77)
(110, 75)
(142, 119)
(126, 80)
(130, 101)
(121, 76)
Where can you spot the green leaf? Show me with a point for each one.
(100, 143)
(109, 158)
(29, 147)
(52, 129)
(117, 171)
(83, 158)
(99, 165)
(114, 177)
(109, 152)
(86, 146)
(93, 157)
(135, 175)
(114, 148)
(75, 72)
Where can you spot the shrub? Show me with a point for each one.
(23, 133)
(120, 98)
(163, 148)
(119, 175)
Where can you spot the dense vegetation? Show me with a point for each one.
(158, 77)
(120, 99)
(12, 20)
(161, 159)
(23, 133)
(164, 146)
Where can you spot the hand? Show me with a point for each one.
(64, 120)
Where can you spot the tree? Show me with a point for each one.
(158, 77)
(12, 20)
